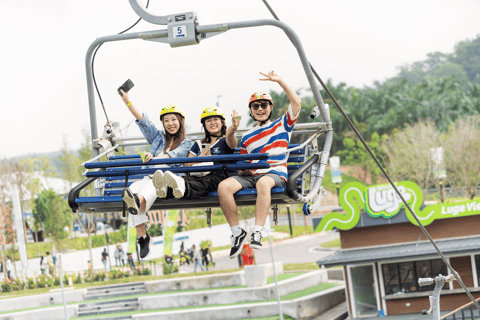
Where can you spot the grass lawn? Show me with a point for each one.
(331, 244)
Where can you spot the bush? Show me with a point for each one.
(99, 276)
(42, 281)
(31, 283)
(56, 281)
(50, 281)
(115, 274)
(18, 284)
(6, 286)
(169, 269)
(77, 278)
(145, 272)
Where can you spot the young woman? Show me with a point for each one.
(220, 141)
(141, 195)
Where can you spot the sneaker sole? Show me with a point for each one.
(130, 201)
(256, 246)
(149, 248)
(159, 184)
(172, 183)
(241, 247)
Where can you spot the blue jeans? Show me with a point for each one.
(198, 263)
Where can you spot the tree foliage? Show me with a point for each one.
(462, 154)
(55, 215)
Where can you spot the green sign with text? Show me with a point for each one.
(382, 201)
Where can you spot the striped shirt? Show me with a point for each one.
(273, 137)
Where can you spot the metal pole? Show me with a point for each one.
(61, 285)
(275, 276)
(289, 221)
(108, 248)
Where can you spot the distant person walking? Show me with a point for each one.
(104, 259)
(8, 267)
(51, 265)
(121, 255)
(117, 254)
(197, 257)
(43, 265)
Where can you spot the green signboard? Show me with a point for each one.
(170, 228)
(131, 235)
(382, 202)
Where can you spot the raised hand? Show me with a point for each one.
(235, 119)
(124, 96)
(271, 76)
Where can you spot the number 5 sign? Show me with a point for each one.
(180, 31)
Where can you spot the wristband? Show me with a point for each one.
(128, 104)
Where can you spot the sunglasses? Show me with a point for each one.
(264, 106)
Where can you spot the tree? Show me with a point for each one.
(355, 154)
(55, 214)
(462, 152)
(407, 153)
(5, 176)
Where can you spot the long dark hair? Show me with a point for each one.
(208, 137)
(177, 138)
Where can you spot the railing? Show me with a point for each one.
(465, 312)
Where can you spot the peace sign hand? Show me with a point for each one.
(271, 76)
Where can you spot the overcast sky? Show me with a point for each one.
(43, 47)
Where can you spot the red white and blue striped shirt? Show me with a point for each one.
(273, 137)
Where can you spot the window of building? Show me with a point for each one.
(403, 277)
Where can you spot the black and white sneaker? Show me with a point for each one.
(237, 243)
(256, 242)
(145, 244)
(131, 200)
(175, 182)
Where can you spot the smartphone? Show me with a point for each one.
(125, 87)
(205, 147)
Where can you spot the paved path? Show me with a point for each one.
(296, 250)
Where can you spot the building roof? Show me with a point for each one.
(411, 250)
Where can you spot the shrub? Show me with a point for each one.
(6, 286)
(169, 269)
(115, 274)
(56, 281)
(50, 281)
(99, 276)
(18, 284)
(77, 278)
(42, 281)
(31, 283)
(147, 272)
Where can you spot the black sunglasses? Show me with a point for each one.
(264, 105)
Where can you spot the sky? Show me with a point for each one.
(43, 46)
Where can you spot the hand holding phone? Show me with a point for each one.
(205, 147)
(125, 87)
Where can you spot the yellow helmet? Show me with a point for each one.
(171, 109)
(210, 112)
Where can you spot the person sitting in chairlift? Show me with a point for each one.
(218, 141)
(141, 195)
(266, 136)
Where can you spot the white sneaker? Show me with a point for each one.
(176, 183)
(159, 184)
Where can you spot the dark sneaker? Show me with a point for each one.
(237, 244)
(256, 242)
(145, 244)
(131, 200)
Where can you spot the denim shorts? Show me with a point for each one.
(248, 182)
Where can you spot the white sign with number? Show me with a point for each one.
(180, 31)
